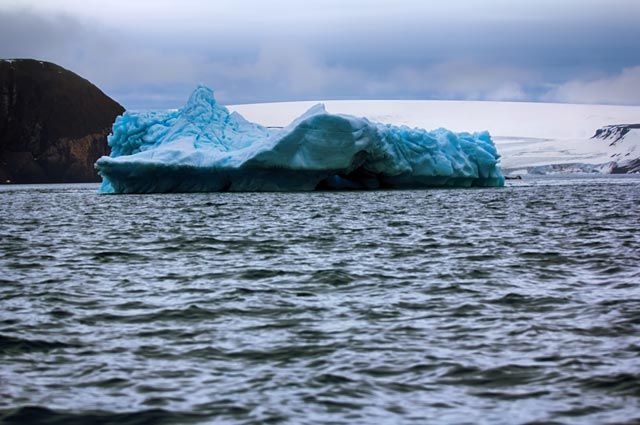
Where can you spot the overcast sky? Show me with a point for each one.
(151, 54)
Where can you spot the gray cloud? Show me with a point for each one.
(619, 89)
(26, 33)
(250, 53)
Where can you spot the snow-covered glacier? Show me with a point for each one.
(202, 147)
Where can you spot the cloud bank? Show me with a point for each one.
(619, 89)
(369, 50)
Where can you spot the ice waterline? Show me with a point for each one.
(205, 148)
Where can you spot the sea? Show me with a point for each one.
(514, 305)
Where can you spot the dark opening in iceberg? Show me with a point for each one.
(204, 148)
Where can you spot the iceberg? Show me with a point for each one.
(203, 147)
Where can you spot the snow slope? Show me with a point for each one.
(526, 134)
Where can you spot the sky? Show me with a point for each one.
(152, 54)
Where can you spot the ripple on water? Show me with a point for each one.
(517, 305)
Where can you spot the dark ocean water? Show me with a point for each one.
(510, 305)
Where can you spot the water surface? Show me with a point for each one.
(509, 305)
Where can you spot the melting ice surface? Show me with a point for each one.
(204, 148)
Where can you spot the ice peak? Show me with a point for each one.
(202, 106)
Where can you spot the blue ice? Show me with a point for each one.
(205, 148)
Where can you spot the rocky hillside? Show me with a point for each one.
(53, 123)
(623, 141)
(615, 133)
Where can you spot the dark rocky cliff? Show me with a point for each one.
(53, 123)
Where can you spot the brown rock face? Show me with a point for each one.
(53, 124)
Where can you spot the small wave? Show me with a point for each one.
(620, 383)
(533, 303)
(14, 345)
(333, 277)
(117, 256)
(502, 376)
(257, 274)
(43, 415)
(191, 313)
